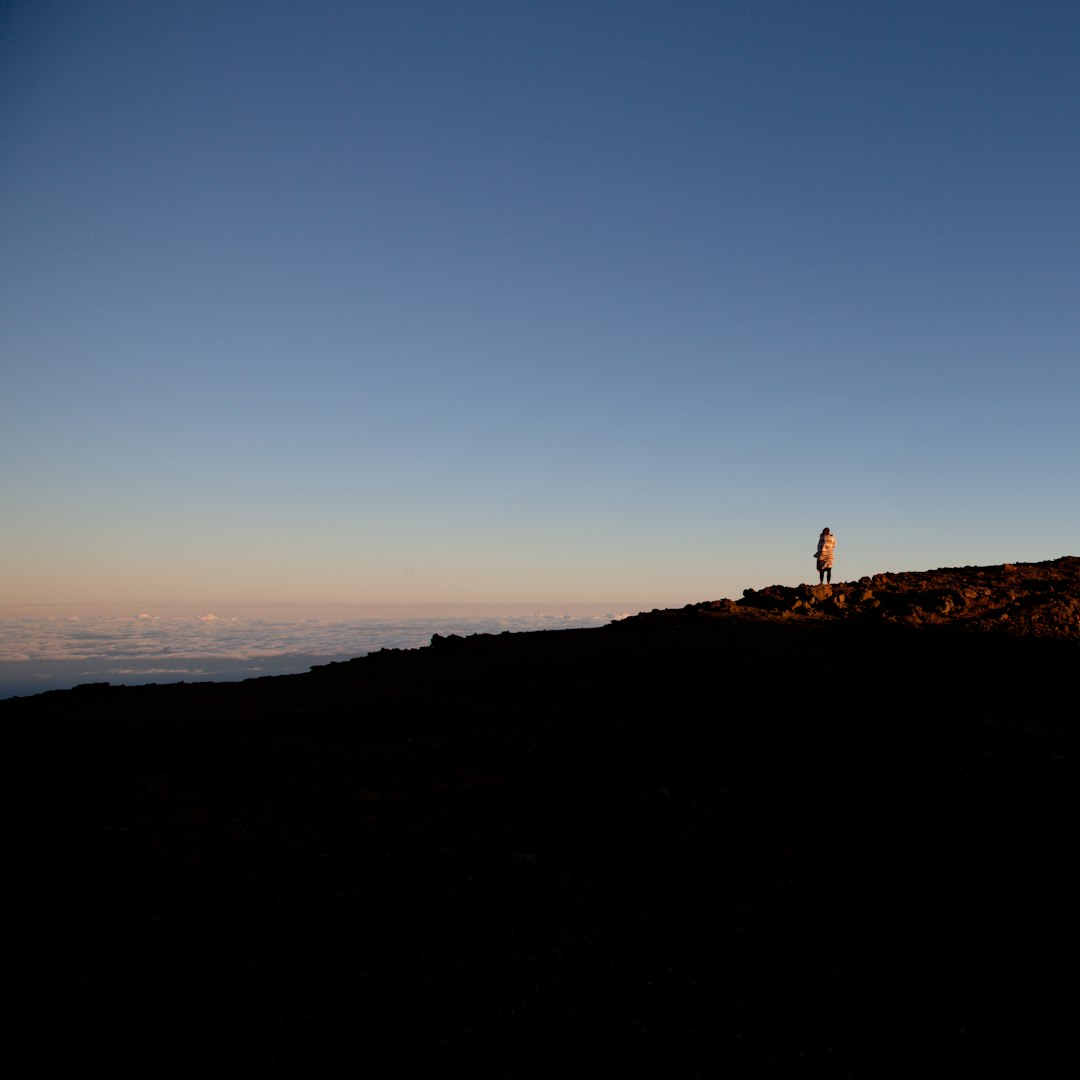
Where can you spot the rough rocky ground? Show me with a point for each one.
(1031, 600)
(815, 832)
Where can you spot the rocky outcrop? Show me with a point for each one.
(1025, 599)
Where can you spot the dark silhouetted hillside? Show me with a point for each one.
(816, 831)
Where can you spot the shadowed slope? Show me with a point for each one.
(730, 838)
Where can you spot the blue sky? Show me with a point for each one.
(442, 302)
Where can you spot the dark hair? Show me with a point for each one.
(825, 530)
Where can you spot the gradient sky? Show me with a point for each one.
(440, 302)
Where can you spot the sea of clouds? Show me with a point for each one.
(54, 652)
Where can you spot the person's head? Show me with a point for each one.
(825, 531)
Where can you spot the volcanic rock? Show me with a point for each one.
(1034, 599)
(819, 830)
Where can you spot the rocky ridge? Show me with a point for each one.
(1040, 599)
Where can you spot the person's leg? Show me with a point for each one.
(828, 574)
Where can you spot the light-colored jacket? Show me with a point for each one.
(826, 545)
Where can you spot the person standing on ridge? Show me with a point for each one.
(826, 545)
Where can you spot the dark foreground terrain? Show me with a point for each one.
(816, 832)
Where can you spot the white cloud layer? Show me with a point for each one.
(51, 653)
